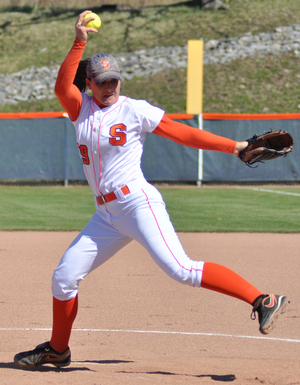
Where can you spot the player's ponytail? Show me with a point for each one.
(80, 76)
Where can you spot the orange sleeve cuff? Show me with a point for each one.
(193, 137)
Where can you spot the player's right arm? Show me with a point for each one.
(67, 93)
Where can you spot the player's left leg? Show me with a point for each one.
(150, 225)
(146, 220)
(223, 280)
(268, 306)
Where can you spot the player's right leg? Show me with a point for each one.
(92, 247)
(43, 354)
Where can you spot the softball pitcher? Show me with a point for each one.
(111, 131)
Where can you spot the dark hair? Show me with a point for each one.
(80, 76)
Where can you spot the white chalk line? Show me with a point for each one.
(160, 332)
(274, 191)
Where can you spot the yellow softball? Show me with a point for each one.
(96, 23)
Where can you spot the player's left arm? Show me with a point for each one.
(193, 137)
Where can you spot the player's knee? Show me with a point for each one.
(64, 287)
(190, 277)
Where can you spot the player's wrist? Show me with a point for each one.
(79, 42)
(239, 147)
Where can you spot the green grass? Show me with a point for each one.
(45, 208)
(191, 209)
(31, 36)
(233, 210)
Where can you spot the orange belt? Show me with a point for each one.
(111, 196)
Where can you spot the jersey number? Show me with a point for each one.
(84, 154)
(118, 135)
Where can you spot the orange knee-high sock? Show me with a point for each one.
(219, 278)
(64, 314)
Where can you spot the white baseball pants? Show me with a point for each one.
(140, 215)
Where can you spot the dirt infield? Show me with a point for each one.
(137, 326)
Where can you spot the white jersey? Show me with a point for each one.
(111, 140)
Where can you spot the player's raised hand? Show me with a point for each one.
(80, 27)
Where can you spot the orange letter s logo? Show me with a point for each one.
(118, 134)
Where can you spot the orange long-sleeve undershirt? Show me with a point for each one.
(193, 137)
(70, 98)
(67, 93)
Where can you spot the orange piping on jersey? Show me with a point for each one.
(193, 137)
(100, 166)
(100, 105)
(92, 155)
(221, 116)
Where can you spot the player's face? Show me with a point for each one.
(106, 93)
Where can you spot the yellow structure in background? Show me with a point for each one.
(194, 100)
